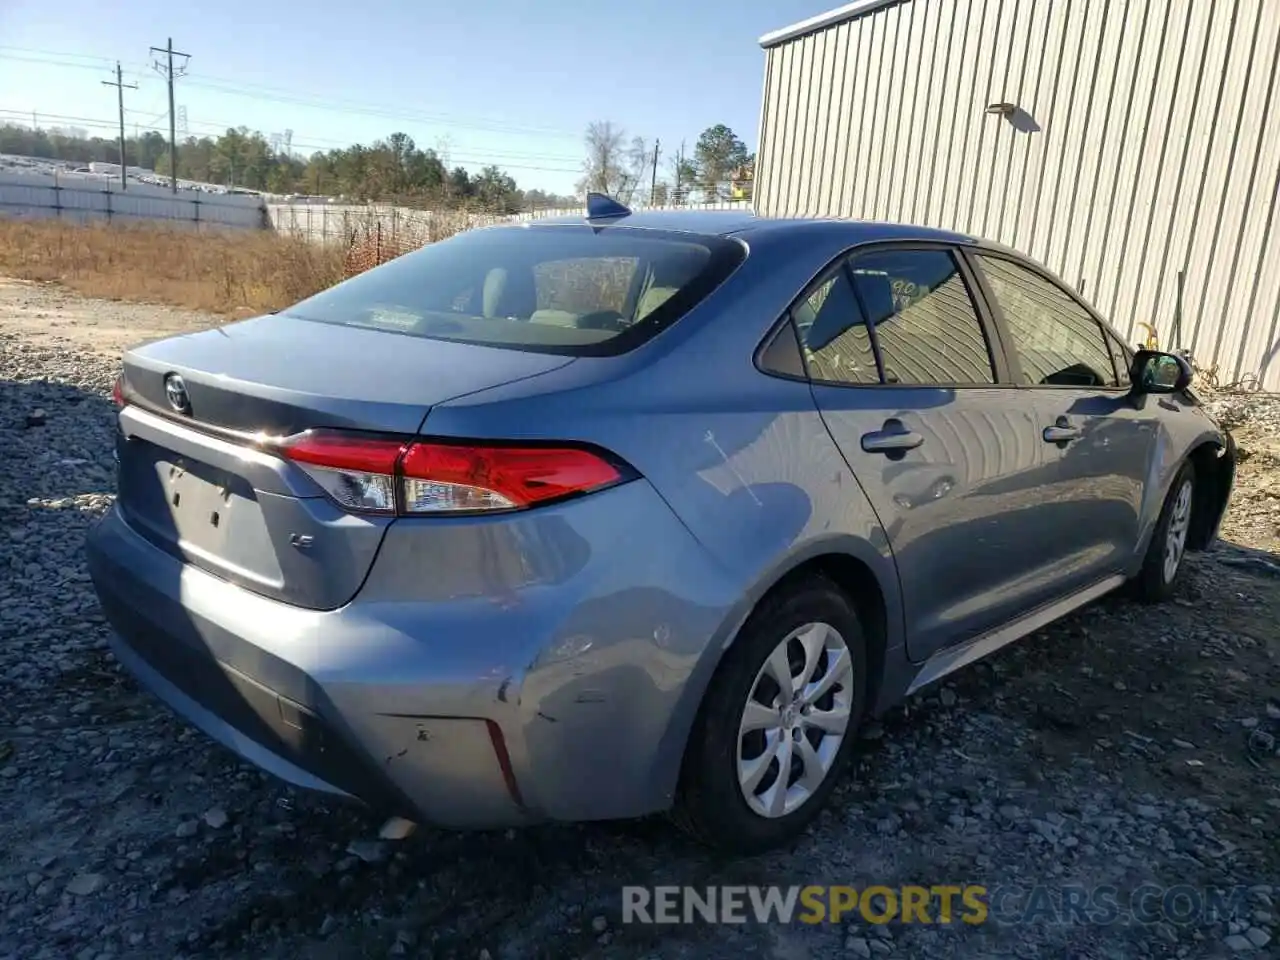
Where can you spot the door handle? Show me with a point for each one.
(1061, 432)
(894, 439)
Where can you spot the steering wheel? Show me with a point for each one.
(603, 320)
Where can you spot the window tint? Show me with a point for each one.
(561, 289)
(1058, 342)
(925, 323)
(833, 333)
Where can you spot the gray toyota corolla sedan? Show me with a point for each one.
(575, 520)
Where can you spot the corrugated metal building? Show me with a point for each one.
(1133, 146)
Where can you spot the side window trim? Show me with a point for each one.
(997, 314)
(846, 267)
(1123, 376)
(1007, 369)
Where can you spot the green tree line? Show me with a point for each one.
(390, 170)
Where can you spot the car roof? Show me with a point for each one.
(727, 223)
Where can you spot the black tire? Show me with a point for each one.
(710, 804)
(1154, 584)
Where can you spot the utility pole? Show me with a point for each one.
(165, 69)
(653, 180)
(679, 197)
(120, 86)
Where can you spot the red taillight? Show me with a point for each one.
(117, 391)
(454, 477)
(338, 452)
(376, 475)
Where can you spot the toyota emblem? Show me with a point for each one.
(176, 391)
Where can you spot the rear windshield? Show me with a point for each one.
(552, 289)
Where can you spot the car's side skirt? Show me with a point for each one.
(953, 658)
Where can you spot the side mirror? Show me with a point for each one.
(1154, 371)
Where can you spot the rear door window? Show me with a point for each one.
(923, 321)
(565, 289)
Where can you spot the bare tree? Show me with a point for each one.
(683, 175)
(640, 172)
(605, 168)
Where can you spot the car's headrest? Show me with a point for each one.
(509, 293)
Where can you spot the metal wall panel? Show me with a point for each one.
(1142, 166)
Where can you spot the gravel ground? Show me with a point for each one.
(1121, 747)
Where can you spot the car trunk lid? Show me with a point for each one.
(197, 478)
(281, 375)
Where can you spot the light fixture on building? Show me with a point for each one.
(1002, 109)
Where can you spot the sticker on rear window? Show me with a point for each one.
(393, 318)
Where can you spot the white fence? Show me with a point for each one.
(85, 199)
(398, 227)
(401, 227)
(639, 208)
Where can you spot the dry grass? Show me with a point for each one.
(233, 273)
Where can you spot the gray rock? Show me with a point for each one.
(858, 946)
(872, 731)
(1238, 943)
(187, 829)
(370, 851)
(86, 884)
(1258, 937)
(215, 818)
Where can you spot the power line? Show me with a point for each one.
(56, 61)
(120, 86)
(237, 88)
(166, 69)
(240, 88)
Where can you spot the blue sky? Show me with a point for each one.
(491, 80)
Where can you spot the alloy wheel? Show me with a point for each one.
(1175, 542)
(795, 719)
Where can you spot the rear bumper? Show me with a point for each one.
(455, 707)
(192, 640)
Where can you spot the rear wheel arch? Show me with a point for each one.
(836, 591)
(853, 577)
(874, 599)
(859, 583)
